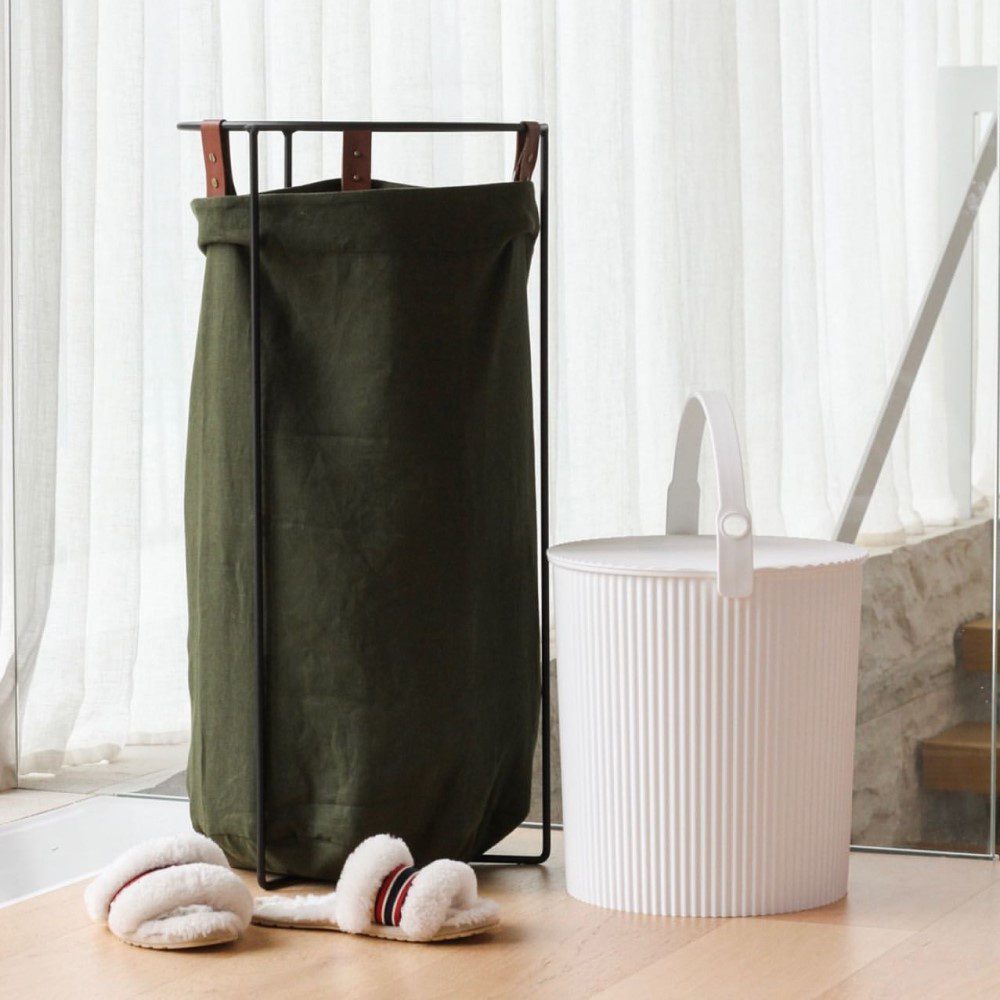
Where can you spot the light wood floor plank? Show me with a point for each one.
(548, 945)
(902, 913)
(954, 957)
(904, 892)
(759, 960)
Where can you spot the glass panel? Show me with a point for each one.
(923, 776)
(103, 334)
(754, 276)
(108, 278)
(8, 703)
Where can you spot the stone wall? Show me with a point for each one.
(915, 596)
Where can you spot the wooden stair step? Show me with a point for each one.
(974, 645)
(958, 760)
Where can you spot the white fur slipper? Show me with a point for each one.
(173, 892)
(382, 895)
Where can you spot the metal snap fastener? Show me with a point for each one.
(357, 152)
(734, 525)
(211, 157)
(356, 177)
(215, 182)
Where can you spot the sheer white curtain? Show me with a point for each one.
(748, 200)
(744, 197)
(8, 698)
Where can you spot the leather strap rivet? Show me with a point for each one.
(215, 147)
(355, 161)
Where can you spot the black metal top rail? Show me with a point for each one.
(350, 126)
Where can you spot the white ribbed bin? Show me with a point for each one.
(707, 690)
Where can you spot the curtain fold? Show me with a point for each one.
(8, 695)
(744, 197)
(36, 224)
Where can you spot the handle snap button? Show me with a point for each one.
(734, 525)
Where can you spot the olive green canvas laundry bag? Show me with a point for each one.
(400, 538)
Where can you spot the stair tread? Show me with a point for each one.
(975, 645)
(982, 624)
(957, 759)
(966, 735)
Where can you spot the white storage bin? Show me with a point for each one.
(707, 690)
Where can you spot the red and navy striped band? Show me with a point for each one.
(391, 896)
(135, 878)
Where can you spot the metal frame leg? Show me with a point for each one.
(259, 515)
(543, 525)
(259, 511)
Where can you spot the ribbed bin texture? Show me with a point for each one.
(707, 691)
(707, 742)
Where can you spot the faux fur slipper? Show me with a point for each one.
(382, 895)
(169, 893)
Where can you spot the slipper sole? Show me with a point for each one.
(384, 933)
(203, 942)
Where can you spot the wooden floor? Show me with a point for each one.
(910, 927)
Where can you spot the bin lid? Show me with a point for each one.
(695, 555)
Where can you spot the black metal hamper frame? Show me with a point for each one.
(288, 129)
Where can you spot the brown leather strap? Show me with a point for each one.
(527, 151)
(218, 171)
(356, 172)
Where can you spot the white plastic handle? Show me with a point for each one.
(733, 528)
